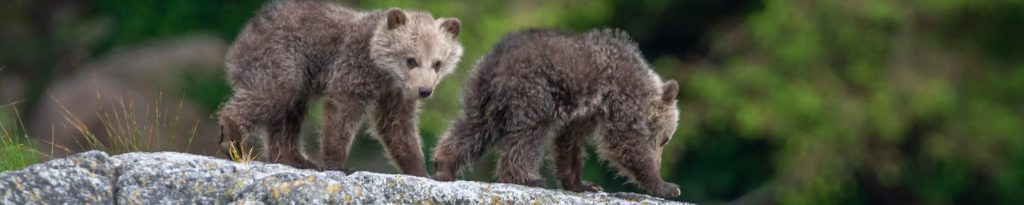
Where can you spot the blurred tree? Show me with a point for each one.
(871, 101)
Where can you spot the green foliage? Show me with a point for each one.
(136, 21)
(859, 98)
(207, 88)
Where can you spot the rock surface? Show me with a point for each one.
(176, 178)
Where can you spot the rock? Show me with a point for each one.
(83, 179)
(178, 178)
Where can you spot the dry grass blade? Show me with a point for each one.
(241, 154)
(129, 127)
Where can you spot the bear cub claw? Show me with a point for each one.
(306, 164)
(667, 190)
(443, 172)
(537, 182)
(444, 177)
(585, 186)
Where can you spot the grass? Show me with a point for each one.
(129, 129)
(242, 153)
(15, 151)
(125, 125)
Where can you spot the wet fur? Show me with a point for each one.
(293, 51)
(541, 89)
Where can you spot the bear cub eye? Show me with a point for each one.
(437, 65)
(411, 63)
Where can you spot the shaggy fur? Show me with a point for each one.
(539, 86)
(377, 62)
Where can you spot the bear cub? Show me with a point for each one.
(373, 63)
(541, 88)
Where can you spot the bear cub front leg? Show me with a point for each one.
(394, 124)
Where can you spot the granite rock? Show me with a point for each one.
(83, 179)
(177, 178)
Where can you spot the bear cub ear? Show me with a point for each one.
(669, 91)
(396, 18)
(452, 26)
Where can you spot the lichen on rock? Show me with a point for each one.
(178, 178)
(82, 179)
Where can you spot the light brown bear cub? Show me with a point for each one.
(542, 84)
(379, 63)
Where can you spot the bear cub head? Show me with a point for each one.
(663, 118)
(416, 48)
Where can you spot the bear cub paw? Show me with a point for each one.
(585, 186)
(667, 190)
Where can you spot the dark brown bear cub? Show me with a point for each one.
(378, 64)
(542, 84)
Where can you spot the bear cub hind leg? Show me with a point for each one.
(273, 122)
(567, 156)
(285, 141)
(465, 143)
(522, 156)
